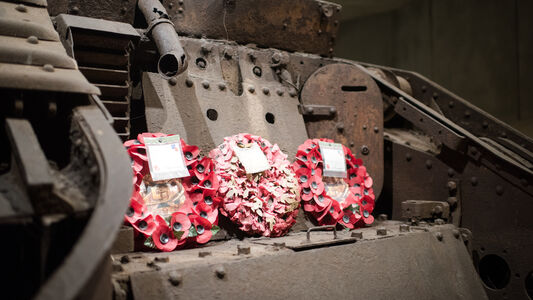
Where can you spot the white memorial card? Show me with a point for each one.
(165, 158)
(251, 157)
(334, 160)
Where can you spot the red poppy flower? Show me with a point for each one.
(163, 236)
(207, 212)
(190, 153)
(136, 210)
(203, 228)
(180, 222)
(145, 226)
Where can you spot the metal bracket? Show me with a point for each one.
(317, 110)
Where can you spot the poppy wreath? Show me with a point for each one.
(264, 203)
(355, 209)
(195, 222)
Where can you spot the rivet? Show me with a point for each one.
(364, 127)
(123, 10)
(336, 22)
(376, 129)
(75, 10)
(21, 8)
(340, 127)
(437, 210)
(309, 110)
(175, 278)
(381, 231)
(504, 135)
(220, 271)
(485, 124)
(330, 50)
(365, 150)
(429, 164)
(188, 82)
(172, 81)
(221, 86)
(293, 92)
(276, 58)
(266, 91)
(227, 53)
(435, 95)
(332, 110)
(180, 10)
(452, 186)
(180, 2)
(251, 89)
(456, 233)
(439, 236)
(205, 84)
(404, 228)
(499, 190)
(32, 39)
(451, 172)
(279, 92)
(452, 201)
(319, 31)
(243, 250)
(257, 71)
(285, 26)
(408, 157)
(352, 144)
(467, 114)
(170, 5)
(473, 181)
(48, 68)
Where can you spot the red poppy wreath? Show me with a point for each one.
(264, 203)
(347, 201)
(176, 212)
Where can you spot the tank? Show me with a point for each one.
(453, 184)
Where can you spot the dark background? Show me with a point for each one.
(482, 50)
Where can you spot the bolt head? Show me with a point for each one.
(452, 186)
(251, 89)
(21, 8)
(48, 68)
(172, 81)
(188, 82)
(205, 84)
(456, 233)
(266, 91)
(439, 236)
(32, 39)
(279, 92)
(365, 150)
(220, 271)
(221, 86)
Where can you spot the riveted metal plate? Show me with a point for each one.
(17, 50)
(295, 25)
(358, 121)
(29, 20)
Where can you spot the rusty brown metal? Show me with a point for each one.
(294, 25)
(357, 118)
(273, 271)
(425, 210)
(118, 11)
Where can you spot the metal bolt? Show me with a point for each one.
(285, 26)
(439, 222)
(336, 22)
(180, 10)
(408, 157)
(276, 58)
(279, 92)
(364, 127)
(257, 71)
(437, 210)
(429, 164)
(439, 236)
(404, 228)
(467, 114)
(352, 144)
(332, 110)
(48, 68)
(175, 278)
(251, 89)
(170, 5)
(266, 91)
(456, 233)
(204, 253)
(382, 217)
(451, 172)
(340, 127)
(75, 10)
(381, 231)
(180, 2)
(292, 92)
(227, 53)
(485, 124)
(243, 250)
(435, 95)
(499, 190)
(451, 104)
(473, 181)
(452, 186)
(123, 10)
(330, 50)
(205, 84)
(220, 271)
(358, 235)
(32, 39)
(221, 86)
(309, 110)
(452, 201)
(424, 88)
(319, 31)
(376, 129)
(172, 81)
(21, 8)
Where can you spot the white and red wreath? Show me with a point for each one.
(176, 212)
(264, 203)
(347, 201)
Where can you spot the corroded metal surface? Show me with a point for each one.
(119, 11)
(295, 25)
(373, 267)
(357, 118)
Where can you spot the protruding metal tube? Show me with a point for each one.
(172, 60)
